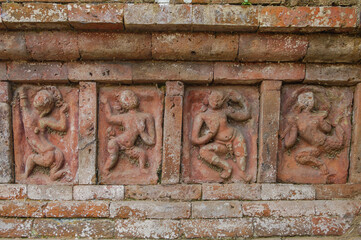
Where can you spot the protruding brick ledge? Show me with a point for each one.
(178, 17)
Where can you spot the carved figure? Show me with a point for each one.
(37, 120)
(220, 138)
(134, 124)
(311, 124)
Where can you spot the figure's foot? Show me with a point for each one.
(59, 175)
(226, 173)
(242, 164)
(324, 169)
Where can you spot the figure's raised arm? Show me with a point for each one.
(57, 125)
(148, 134)
(290, 135)
(197, 125)
(325, 125)
(244, 113)
(111, 118)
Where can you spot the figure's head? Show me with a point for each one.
(43, 102)
(128, 100)
(216, 99)
(306, 100)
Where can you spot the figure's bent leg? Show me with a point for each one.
(336, 141)
(309, 157)
(209, 154)
(141, 155)
(29, 165)
(55, 168)
(113, 150)
(240, 151)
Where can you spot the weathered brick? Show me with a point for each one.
(254, 2)
(115, 46)
(217, 228)
(224, 18)
(355, 161)
(234, 191)
(50, 192)
(341, 208)
(271, 47)
(37, 72)
(333, 49)
(22, 208)
(194, 46)
(101, 192)
(5, 94)
(52, 46)
(150, 209)
(6, 147)
(107, 16)
(268, 227)
(323, 2)
(12, 46)
(287, 192)
(217, 209)
(337, 191)
(175, 88)
(330, 74)
(134, 228)
(163, 192)
(157, 17)
(193, 72)
(100, 72)
(331, 226)
(3, 73)
(268, 131)
(245, 73)
(35, 16)
(77, 209)
(87, 133)
(73, 228)
(307, 19)
(2, 26)
(12, 227)
(278, 208)
(172, 137)
(12, 191)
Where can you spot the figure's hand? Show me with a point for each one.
(64, 108)
(140, 126)
(103, 99)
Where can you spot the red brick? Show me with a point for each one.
(172, 139)
(100, 72)
(217, 228)
(35, 16)
(12, 227)
(307, 19)
(3, 74)
(115, 46)
(107, 16)
(278, 208)
(52, 46)
(87, 133)
(163, 192)
(157, 17)
(341, 208)
(37, 72)
(268, 131)
(50, 192)
(234, 191)
(287, 192)
(77, 209)
(269, 227)
(329, 48)
(2, 26)
(12, 46)
(217, 209)
(101, 192)
(271, 47)
(194, 46)
(12, 191)
(355, 161)
(225, 18)
(73, 228)
(150, 209)
(323, 2)
(330, 74)
(245, 73)
(22, 208)
(133, 228)
(193, 72)
(337, 191)
(330, 226)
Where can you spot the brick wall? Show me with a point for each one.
(180, 119)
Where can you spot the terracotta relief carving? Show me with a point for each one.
(130, 134)
(315, 134)
(45, 145)
(220, 134)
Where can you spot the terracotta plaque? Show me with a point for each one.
(315, 132)
(220, 134)
(45, 125)
(130, 134)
